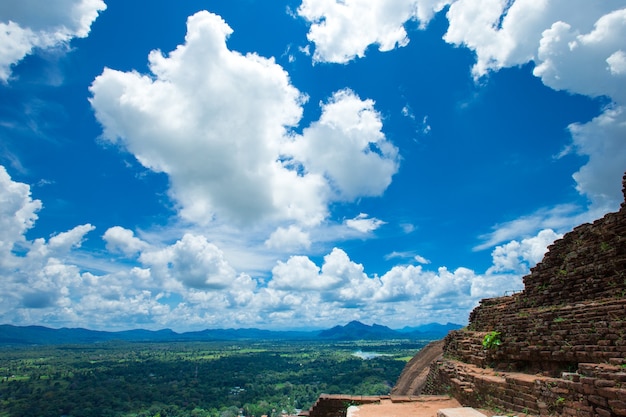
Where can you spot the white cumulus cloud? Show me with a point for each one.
(575, 60)
(347, 146)
(219, 124)
(18, 211)
(29, 24)
(123, 240)
(37, 274)
(291, 238)
(343, 30)
(603, 142)
(299, 272)
(189, 284)
(213, 120)
(576, 45)
(193, 261)
(519, 257)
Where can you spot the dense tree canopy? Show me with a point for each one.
(191, 379)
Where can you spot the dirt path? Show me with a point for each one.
(413, 376)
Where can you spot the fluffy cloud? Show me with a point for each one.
(508, 33)
(299, 272)
(218, 123)
(576, 45)
(363, 223)
(123, 240)
(518, 257)
(29, 24)
(342, 283)
(602, 141)
(347, 147)
(588, 63)
(18, 212)
(503, 33)
(71, 239)
(36, 274)
(193, 261)
(213, 120)
(189, 283)
(289, 239)
(45, 282)
(343, 30)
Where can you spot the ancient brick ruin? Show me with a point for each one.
(563, 339)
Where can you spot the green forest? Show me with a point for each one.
(216, 379)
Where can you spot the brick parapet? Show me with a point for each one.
(597, 390)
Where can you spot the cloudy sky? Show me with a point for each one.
(297, 163)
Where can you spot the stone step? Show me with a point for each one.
(459, 412)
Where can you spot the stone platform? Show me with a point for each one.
(459, 412)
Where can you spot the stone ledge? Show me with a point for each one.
(459, 412)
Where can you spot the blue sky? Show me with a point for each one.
(298, 163)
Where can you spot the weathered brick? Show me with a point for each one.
(620, 404)
(612, 393)
(601, 412)
(598, 400)
(557, 323)
(604, 383)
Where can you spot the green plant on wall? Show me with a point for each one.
(492, 340)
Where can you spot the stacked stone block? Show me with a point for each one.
(549, 339)
(563, 338)
(595, 390)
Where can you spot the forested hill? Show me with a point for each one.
(39, 335)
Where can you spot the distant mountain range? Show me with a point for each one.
(355, 330)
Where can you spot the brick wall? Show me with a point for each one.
(549, 339)
(563, 338)
(595, 390)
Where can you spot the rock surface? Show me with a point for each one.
(413, 378)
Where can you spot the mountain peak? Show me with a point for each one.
(355, 323)
(356, 330)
